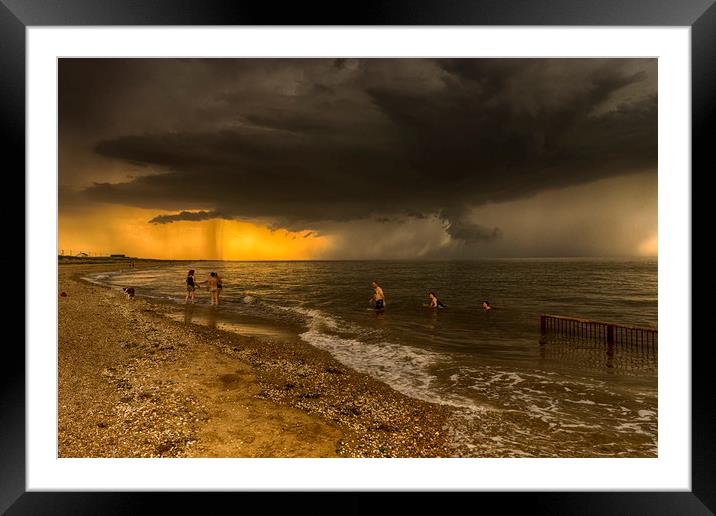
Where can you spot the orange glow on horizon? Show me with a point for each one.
(650, 246)
(121, 230)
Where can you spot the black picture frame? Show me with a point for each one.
(17, 15)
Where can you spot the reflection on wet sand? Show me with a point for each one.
(188, 313)
(203, 317)
(211, 318)
(216, 319)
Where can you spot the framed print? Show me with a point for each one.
(508, 189)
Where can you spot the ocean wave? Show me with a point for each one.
(404, 368)
(316, 319)
(103, 282)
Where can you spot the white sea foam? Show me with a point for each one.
(582, 402)
(93, 280)
(317, 320)
(102, 282)
(404, 368)
(633, 427)
(577, 425)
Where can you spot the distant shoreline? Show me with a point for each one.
(107, 259)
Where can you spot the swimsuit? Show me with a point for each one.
(379, 304)
(190, 284)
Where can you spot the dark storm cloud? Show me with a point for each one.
(189, 216)
(305, 142)
(471, 233)
(456, 224)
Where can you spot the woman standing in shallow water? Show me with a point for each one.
(190, 286)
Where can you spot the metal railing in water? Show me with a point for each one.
(611, 334)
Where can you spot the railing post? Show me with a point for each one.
(543, 324)
(610, 334)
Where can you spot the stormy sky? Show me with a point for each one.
(373, 158)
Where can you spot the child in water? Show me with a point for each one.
(486, 306)
(434, 301)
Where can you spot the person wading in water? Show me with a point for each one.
(434, 301)
(378, 297)
(190, 286)
(213, 282)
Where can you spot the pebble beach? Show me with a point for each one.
(135, 382)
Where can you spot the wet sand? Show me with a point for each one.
(135, 380)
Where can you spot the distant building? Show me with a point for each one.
(81, 254)
(117, 256)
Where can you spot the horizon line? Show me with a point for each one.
(118, 258)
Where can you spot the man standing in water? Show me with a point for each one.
(378, 296)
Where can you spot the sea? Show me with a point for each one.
(515, 392)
